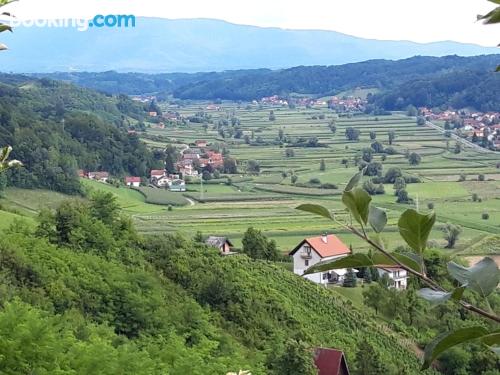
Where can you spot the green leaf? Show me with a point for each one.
(412, 261)
(449, 339)
(4, 27)
(315, 209)
(377, 218)
(483, 277)
(415, 228)
(434, 297)
(354, 181)
(492, 339)
(458, 292)
(351, 261)
(357, 201)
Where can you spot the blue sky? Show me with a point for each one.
(416, 20)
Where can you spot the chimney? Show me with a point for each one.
(324, 237)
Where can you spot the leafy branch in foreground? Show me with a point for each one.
(492, 17)
(5, 163)
(4, 27)
(414, 228)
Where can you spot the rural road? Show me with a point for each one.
(462, 140)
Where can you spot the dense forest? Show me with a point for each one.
(450, 81)
(56, 128)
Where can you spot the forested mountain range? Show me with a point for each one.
(451, 80)
(157, 45)
(56, 128)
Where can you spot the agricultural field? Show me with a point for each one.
(266, 201)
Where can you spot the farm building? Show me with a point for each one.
(317, 249)
(133, 181)
(330, 362)
(221, 243)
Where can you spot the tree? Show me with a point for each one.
(414, 158)
(257, 246)
(451, 234)
(421, 121)
(289, 153)
(253, 166)
(104, 207)
(272, 116)
(281, 134)
(368, 361)
(296, 359)
(350, 279)
(411, 111)
(367, 155)
(352, 134)
(458, 148)
(294, 178)
(171, 159)
(377, 147)
(374, 296)
(399, 184)
(373, 135)
(392, 136)
(480, 177)
(230, 166)
(322, 165)
(403, 196)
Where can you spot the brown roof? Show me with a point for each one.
(333, 246)
(330, 362)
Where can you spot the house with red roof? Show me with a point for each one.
(313, 250)
(133, 181)
(330, 362)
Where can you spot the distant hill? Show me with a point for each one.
(93, 135)
(191, 45)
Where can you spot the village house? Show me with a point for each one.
(397, 275)
(330, 362)
(133, 181)
(188, 171)
(317, 249)
(178, 185)
(201, 143)
(161, 181)
(152, 114)
(157, 173)
(99, 176)
(221, 243)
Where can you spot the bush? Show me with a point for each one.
(485, 216)
(480, 177)
(430, 206)
(315, 181)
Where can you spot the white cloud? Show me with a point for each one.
(420, 21)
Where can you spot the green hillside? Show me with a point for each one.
(85, 294)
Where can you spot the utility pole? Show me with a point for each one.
(201, 187)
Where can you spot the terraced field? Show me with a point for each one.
(267, 201)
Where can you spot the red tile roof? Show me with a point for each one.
(330, 362)
(157, 172)
(333, 246)
(132, 179)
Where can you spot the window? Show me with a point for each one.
(307, 262)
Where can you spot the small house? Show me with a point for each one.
(221, 243)
(157, 173)
(178, 185)
(201, 143)
(99, 176)
(133, 181)
(313, 250)
(398, 277)
(330, 362)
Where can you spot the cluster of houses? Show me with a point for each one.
(313, 250)
(160, 178)
(347, 104)
(472, 124)
(199, 156)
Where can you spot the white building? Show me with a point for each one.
(317, 249)
(398, 276)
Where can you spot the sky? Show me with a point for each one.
(416, 20)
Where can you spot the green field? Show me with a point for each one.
(267, 201)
